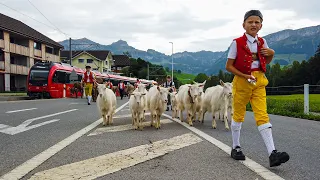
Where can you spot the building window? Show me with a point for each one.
(37, 45)
(107, 63)
(1, 55)
(80, 60)
(89, 61)
(1, 34)
(49, 50)
(119, 68)
(12, 40)
(95, 69)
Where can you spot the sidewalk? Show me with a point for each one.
(14, 98)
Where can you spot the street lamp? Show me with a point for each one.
(130, 74)
(172, 61)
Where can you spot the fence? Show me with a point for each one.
(305, 89)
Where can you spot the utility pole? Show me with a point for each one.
(70, 51)
(172, 62)
(148, 71)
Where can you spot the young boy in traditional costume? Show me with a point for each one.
(247, 60)
(88, 81)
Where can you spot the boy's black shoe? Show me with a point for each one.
(237, 154)
(88, 103)
(276, 158)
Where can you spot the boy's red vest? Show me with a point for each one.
(244, 60)
(85, 79)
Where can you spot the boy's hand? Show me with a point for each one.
(267, 51)
(246, 76)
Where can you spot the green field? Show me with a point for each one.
(314, 100)
(183, 77)
(293, 106)
(13, 94)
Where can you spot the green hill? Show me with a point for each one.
(183, 77)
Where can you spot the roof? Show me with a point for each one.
(14, 26)
(102, 55)
(121, 60)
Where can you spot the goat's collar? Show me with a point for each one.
(191, 99)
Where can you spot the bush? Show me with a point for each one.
(291, 108)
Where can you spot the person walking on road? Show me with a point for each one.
(109, 84)
(169, 84)
(121, 87)
(247, 59)
(88, 80)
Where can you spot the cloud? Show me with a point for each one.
(150, 24)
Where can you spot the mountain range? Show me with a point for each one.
(289, 45)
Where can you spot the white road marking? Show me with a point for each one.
(23, 126)
(113, 162)
(26, 167)
(128, 115)
(259, 169)
(73, 103)
(122, 127)
(8, 112)
(19, 101)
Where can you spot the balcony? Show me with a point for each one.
(2, 65)
(18, 69)
(52, 57)
(37, 53)
(21, 50)
(2, 43)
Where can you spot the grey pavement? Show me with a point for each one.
(18, 148)
(300, 138)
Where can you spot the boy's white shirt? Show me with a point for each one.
(253, 46)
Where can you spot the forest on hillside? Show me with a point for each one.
(297, 74)
(139, 69)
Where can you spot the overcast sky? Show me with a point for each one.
(192, 25)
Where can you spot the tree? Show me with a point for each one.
(201, 77)
(179, 71)
(221, 75)
(167, 69)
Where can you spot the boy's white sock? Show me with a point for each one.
(268, 139)
(235, 129)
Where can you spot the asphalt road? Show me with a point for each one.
(119, 152)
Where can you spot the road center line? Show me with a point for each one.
(255, 167)
(109, 163)
(26, 167)
(8, 112)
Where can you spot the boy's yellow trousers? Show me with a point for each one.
(88, 89)
(244, 92)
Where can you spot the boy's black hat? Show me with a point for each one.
(253, 13)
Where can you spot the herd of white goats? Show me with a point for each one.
(190, 97)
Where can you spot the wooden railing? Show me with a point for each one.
(52, 57)
(1, 43)
(37, 53)
(17, 49)
(18, 69)
(2, 65)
